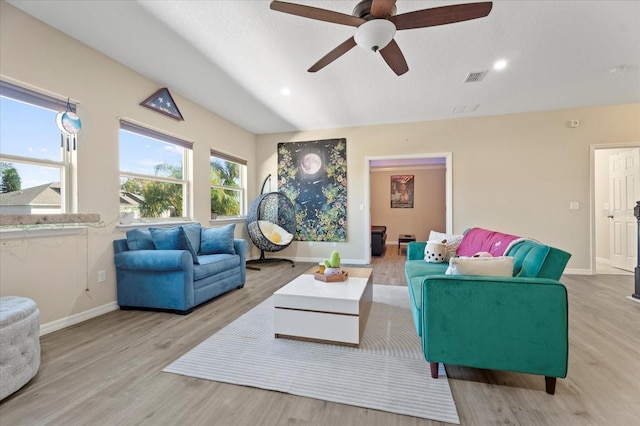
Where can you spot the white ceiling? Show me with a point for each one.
(234, 57)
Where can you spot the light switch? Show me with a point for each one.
(574, 205)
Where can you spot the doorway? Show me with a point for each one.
(403, 161)
(613, 195)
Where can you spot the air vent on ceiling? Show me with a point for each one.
(474, 77)
(464, 108)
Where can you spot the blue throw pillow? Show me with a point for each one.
(169, 238)
(218, 240)
(192, 233)
(172, 239)
(140, 239)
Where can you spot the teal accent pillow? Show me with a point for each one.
(140, 239)
(218, 240)
(192, 233)
(172, 239)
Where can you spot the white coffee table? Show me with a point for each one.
(334, 312)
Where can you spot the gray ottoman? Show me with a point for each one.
(19, 343)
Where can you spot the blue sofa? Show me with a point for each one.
(177, 269)
(517, 323)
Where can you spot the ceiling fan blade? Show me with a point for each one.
(333, 55)
(382, 8)
(441, 15)
(317, 13)
(393, 56)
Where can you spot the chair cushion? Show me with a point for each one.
(529, 258)
(275, 233)
(213, 264)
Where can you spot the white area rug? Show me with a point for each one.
(387, 372)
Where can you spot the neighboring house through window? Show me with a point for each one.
(228, 185)
(35, 167)
(154, 173)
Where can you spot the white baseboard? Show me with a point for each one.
(317, 260)
(576, 271)
(56, 325)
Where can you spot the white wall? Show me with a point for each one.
(514, 173)
(56, 271)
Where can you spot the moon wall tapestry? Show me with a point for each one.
(313, 175)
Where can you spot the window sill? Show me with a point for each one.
(144, 225)
(43, 225)
(227, 220)
(47, 219)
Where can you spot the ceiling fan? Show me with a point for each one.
(377, 24)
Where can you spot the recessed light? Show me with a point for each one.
(500, 65)
(285, 91)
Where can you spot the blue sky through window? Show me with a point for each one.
(30, 131)
(22, 133)
(141, 154)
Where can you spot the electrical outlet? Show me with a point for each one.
(102, 276)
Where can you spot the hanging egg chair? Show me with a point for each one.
(271, 224)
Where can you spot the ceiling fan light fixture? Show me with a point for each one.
(375, 34)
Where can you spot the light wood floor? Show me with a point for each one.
(107, 371)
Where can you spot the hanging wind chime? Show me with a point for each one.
(69, 124)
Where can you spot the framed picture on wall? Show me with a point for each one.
(402, 191)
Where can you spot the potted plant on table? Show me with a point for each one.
(332, 265)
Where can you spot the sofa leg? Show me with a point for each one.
(550, 384)
(434, 369)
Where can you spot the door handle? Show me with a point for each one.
(610, 216)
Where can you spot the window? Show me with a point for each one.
(154, 173)
(35, 167)
(228, 185)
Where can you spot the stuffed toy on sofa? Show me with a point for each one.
(435, 251)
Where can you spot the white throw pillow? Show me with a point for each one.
(453, 241)
(275, 233)
(501, 266)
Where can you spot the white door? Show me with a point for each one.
(624, 188)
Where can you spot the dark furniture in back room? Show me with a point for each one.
(378, 240)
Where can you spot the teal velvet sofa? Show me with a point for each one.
(177, 269)
(517, 323)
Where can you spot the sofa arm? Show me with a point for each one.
(154, 260)
(415, 250)
(241, 247)
(119, 246)
(512, 324)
